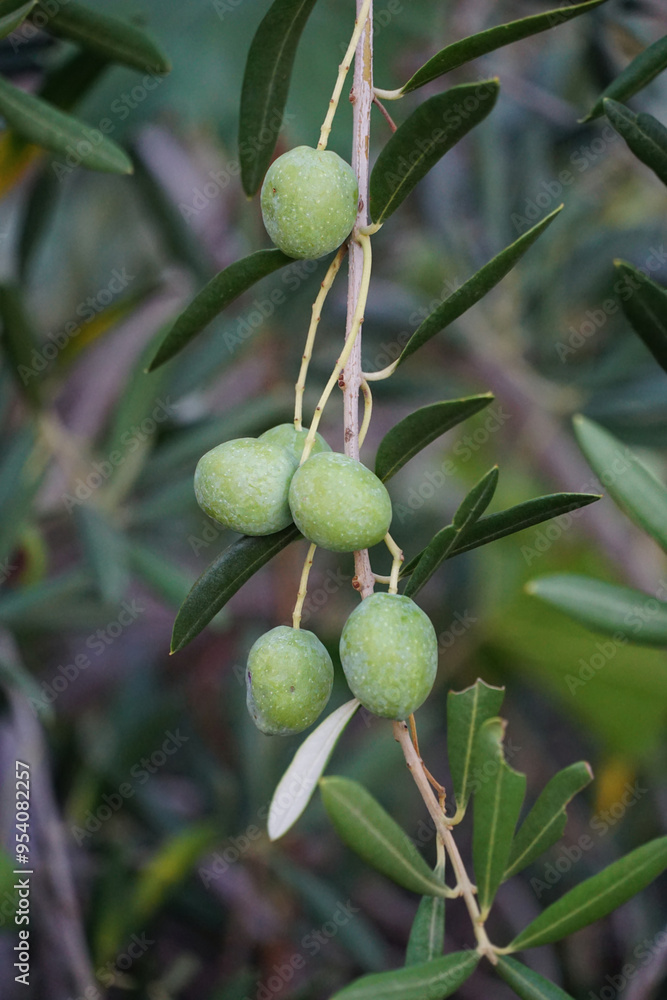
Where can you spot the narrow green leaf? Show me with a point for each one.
(109, 37)
(20, 343)
(44, 125)
(605, 607)
(508, 522)
(596, 897)
(545, 823)
(362, 824)
(644, 134)
(265, 86)
(427, 936)
(417, 145)
(39, 208)
(458, 53)
(431, 981)
(643, 68)
(470, 510)
(418, 429)
(467, 711)
(216, 296)
(222, 578)
(105, 551)
(527, 983)
(646, 309)
(159, 572)
(630, 484)
(20, 477)
(298, 783)
(499, 794)
(475, 288)
(12, 14)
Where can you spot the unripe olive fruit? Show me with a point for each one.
(289, 437)
(389, 653)
(338, 503)
(309, 201)
(243, 484)
(289, 679)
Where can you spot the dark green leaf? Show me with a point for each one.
(12, 14)
(418, 429)
(20, 343)
(499, 794)
(67, 84)
(643, 68)
(109, 37)
(362, 824)
(629, 482)
(417, 145)
(545, 823)
(644, 134)
(527, 983)
(507, 522)
(475, 288)
(216, 296)
(219, 581)
(458, 53)
(468, 513)
(432, 981)
(427, 935)
(105, 551)
(39, 207)
(44, 125)
(467, 711)
(646, 309)
(596, 897)
(14, 673)
(265, 86)
(20, 477)
(605, 607)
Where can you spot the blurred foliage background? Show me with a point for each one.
(150, 785)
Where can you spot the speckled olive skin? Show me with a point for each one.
(289, 437)
(289, 679)
(338, 503)
(244, 483)
(389, 652)
(309, 202)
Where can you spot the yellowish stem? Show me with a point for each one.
(397, 557)
(388, 95)
(329, 278)
(381, 579)
(382, 374)
(368, 410)
(303, 587)
(342, 73)
(357, 320)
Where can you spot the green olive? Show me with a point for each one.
(289, 679)
(289, 437)
(389, 653)
(309, 202)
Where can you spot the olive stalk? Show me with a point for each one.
(397, 559)
(368, 410)
(303, 587)
(362, 17)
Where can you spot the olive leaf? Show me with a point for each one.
(265, 86)
(417, 145)
(19, 341)
(644, 134)
(433, 980)
(427, 935)
(12, 14)
(458, 53)
(527, 983)
(467, 711)
(646, 309)
(637, 75)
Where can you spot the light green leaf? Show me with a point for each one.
(506, 522)
(105, 551)
(605, 607)
(475, 288)
(109, 37)
(44, 125)
(643, 68)
(527, 983)
(216, 296)
(467, 711)
(298, 783)
(458, 53)
(545, 823)
(644, 134)
(427, 935)
(468, 513)
(596, 897)
(222, 578)
(628, 481)
(265, 86)
(646, 309)
(415, 431)
(431, 981)
(362, 824)
(499, 794)
(423, 139)
(12, 14)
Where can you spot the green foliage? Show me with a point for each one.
(646, 310)
(636, 75)
(439, 978)
(528, 984)
(12, 14)
(427, 935)
(644, 134)
(467, 711)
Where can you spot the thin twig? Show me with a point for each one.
(303, 587)
(390, 121)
